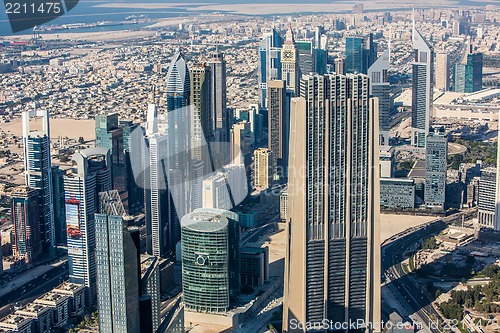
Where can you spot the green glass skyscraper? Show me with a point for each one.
(210, 260)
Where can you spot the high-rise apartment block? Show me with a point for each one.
(278, 127)
(25, 207)
(38, 173)
(269, 63)
(442, 71)
(263, 171)
(221, 118)
(91, 174)
(332, 263)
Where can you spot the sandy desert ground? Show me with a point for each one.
(70, 128)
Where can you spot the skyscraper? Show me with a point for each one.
(135, 194)
(37, 166)
(25, 218)
(175, 164)
(487, 203)
(114, 134)
(269, 63)
(201, 121)
(380, 88)
(210, 260)
(263, 168)
(59, 205)
(290, 63)
(117, 255)
(442, 71)
(91, 174)
(305, 51)
(360, 53)
(221, 119)
(150, 288)
(436, 159)
(468, 75)
(240, 142)
(278, 127)
(422, 69)
(162, 222)
(332, 263)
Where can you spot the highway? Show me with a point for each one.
(402, 285)
(34, 288)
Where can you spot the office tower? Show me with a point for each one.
(468, 75)
(25, 218)
(150, 288)
(162, 221)
(37, 166)
(175, 162)
(201, 122)
(210, 260)
(215, 188)
(380, 88)
(269, 63)
(360, 53)
(178, 111)
(339, 66)
(422, 69)
(305, 51)
(240, 143)
(332, 263)
(278, 127)
(290, 63)
(135, 194)
(436, 159)
(254, 118)
(487, 201)
(263, 169)
(219, 113)
(114, 134)
(320, 61)
(91, 174)
(117, 267)
(442, 71)
(59, 205)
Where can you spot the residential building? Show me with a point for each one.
(24, 205)
(332, 263)
(90, 175)
(37, 166)
(278, 127)
(263, 171)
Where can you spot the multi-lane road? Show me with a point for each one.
(399, 283)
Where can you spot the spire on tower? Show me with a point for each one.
(289, 39)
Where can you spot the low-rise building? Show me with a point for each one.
(17, 323)
(60, 307)
(397, 193)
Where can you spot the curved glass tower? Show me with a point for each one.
(210, 261)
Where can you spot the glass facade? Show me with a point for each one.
(210, 260)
